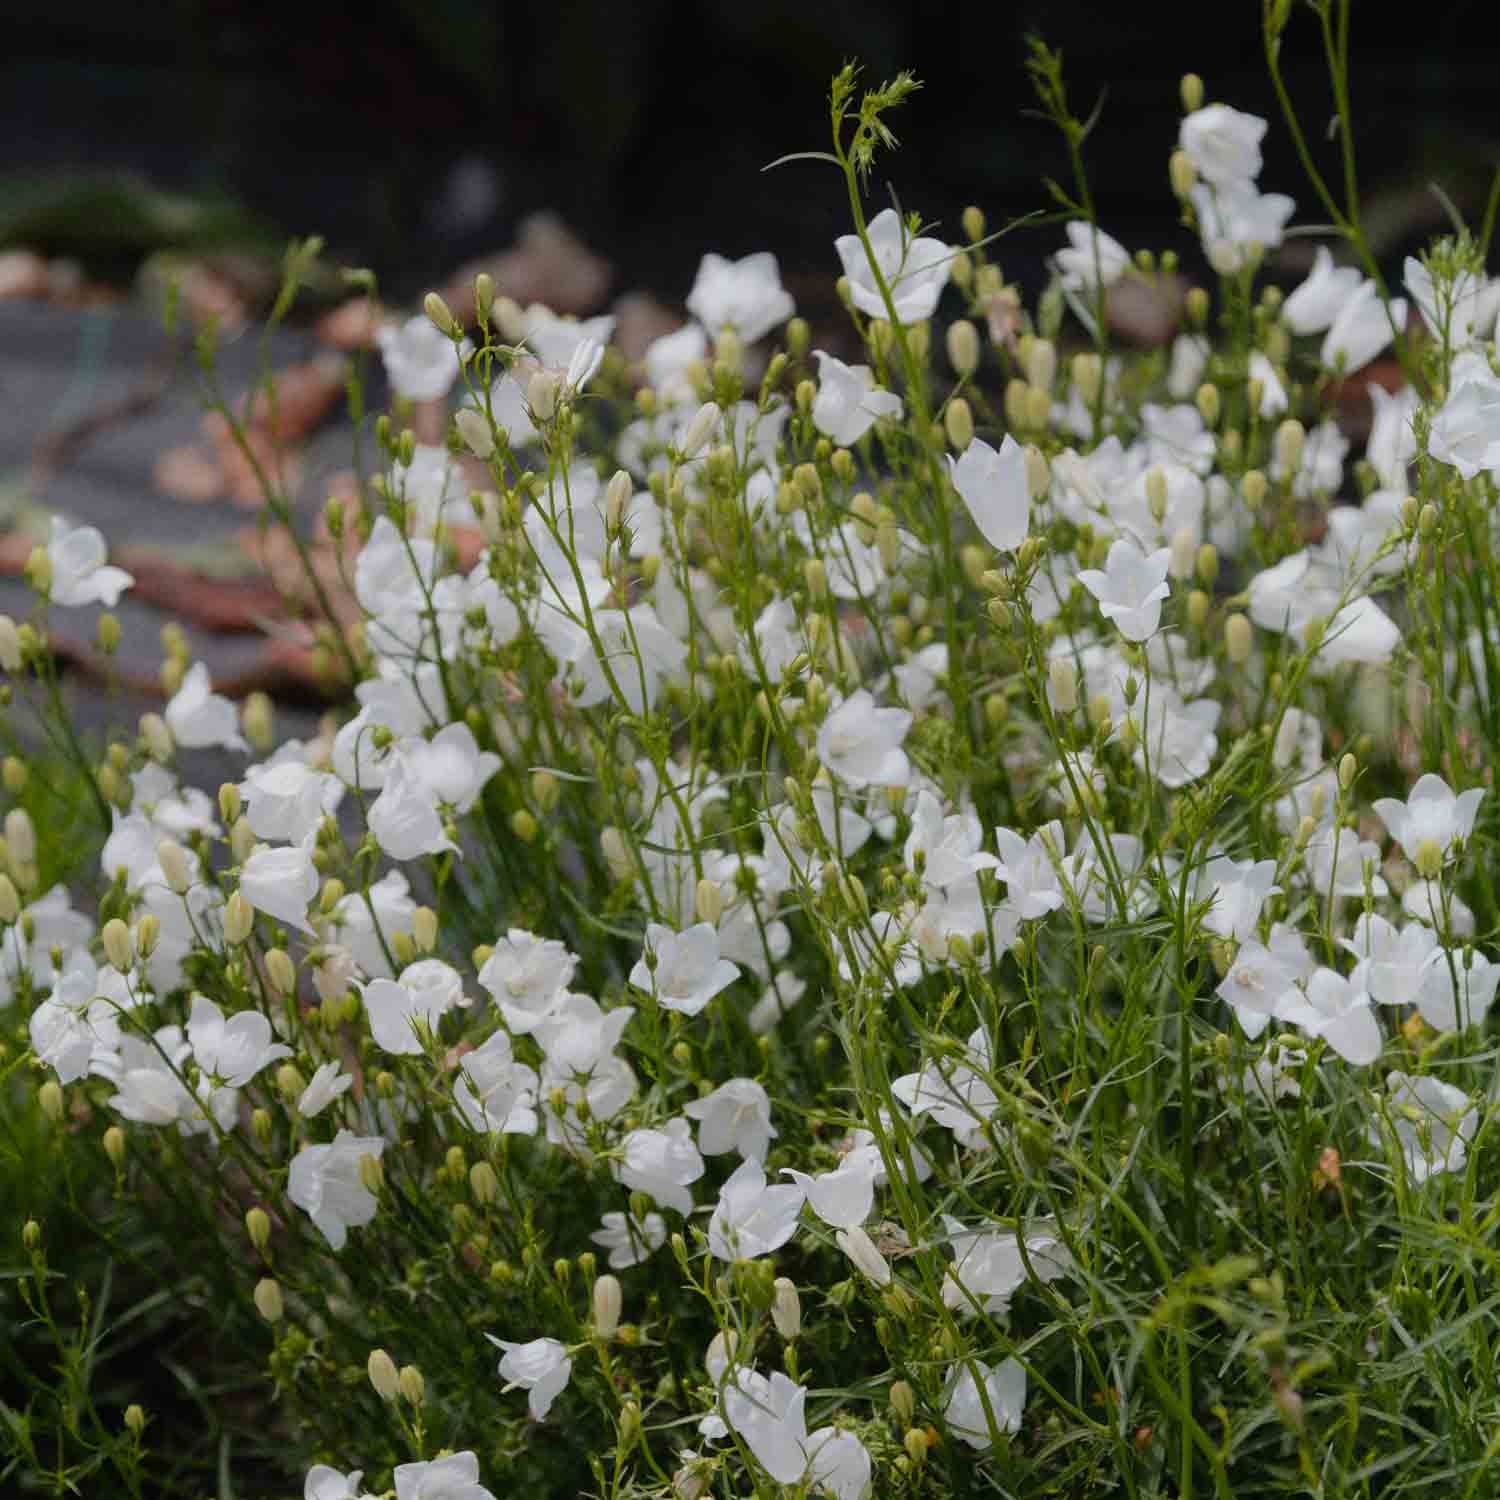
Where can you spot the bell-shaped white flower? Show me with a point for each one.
(1222, 143)
(992, 484)
(452, 1477)
(325, 1483)
(861, 744)
(1262, 976)
(451, 765)
(421, 361)
(233, 1050)
(1091, 260)
(286, 800)
(976, 1419)
(1433, 1123)
(80, 574)
(661, 1163)
(1465, 432)
(528, 976)
(685, 971)
(425, 993)
(1237, 223)
(75, 1030)
(1363, 328)
(629, 1240)
(324, 1182)
(1332, 1008)
(987, 1269)
(848, 404)
(1313, 306)
(735, 1117)
(328, 1083)
(404, 819)
(281, 883)
(1431, 819)
(200, 718)
(1130, 588)
(1457, 990)
(495, 1094)
(915, 270)
(745, 295)
(1238, 889)
(541, 1368)
(1029, 870)
(768, 1416)
(844, 1197)
(753, 1218)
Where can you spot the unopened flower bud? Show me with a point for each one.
(1348, 770)
(524, 826)
(483, 1183)
(1038, 407)
(1253, 488)
(1191, 92)
(541, 395)
(1041, 363)
(617, 496)
(439, 316)
(1062, 684)
(1291, 436)
(1015, 404)
(962, 342)
(258, 1227)
(608, 1300)
(290, 1083)
(616, 853)
(268, 1301)
(173, 859)
(1427, 520)
(381, 1369)
(1183, 554)
(1207, 402)
(258, 718)
(281, 971)
(10, 900)
(239, 920)
(424, 929)
(31, 1235)
(1182, 174)
(10, 645)
(1156, 493)
(147, 934)
(1196, 305)
(411, 1385)
(958, 422)
(20, 836)
(545, 789)
(703, 426)
(973, 223)
(1197, 609)
(135, 1419)
(39, 570)
(115, 1146)
(786, 1308)
(474, 431)
(50, 1097)
(371, 1173)
(1208, 564)
(708, 901)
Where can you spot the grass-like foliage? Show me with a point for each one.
(920, 926)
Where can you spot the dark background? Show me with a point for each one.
(416, 133)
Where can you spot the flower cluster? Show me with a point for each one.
(851, 844)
